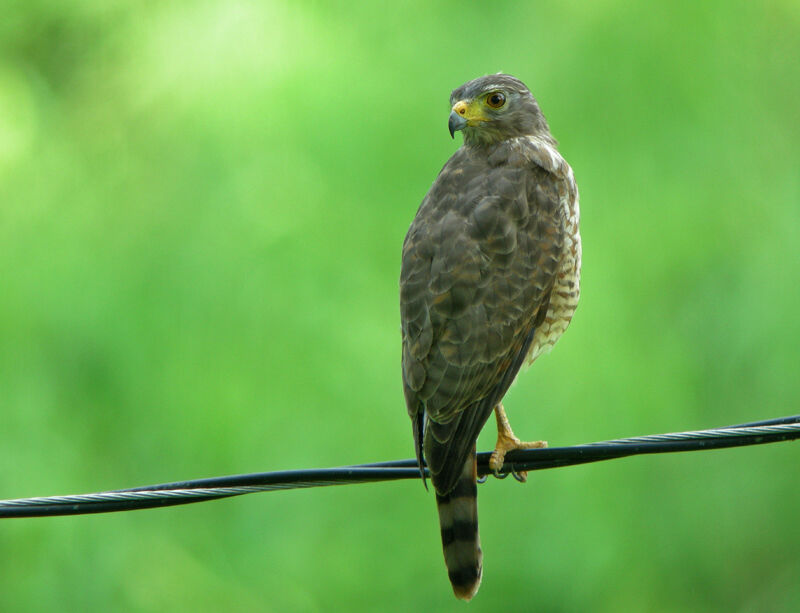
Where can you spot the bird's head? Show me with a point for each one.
(494, 108)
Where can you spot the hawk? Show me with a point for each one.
(489, 280)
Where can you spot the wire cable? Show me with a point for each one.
(199, 490)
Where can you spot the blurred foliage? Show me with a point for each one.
(201, 212)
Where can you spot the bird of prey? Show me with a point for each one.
(489, 280)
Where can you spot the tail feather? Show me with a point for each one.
(458, 520)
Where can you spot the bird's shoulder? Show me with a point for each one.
(485, 194)
(531, 152)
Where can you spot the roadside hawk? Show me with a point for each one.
(489, 280)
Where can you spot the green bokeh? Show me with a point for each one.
(201, 212)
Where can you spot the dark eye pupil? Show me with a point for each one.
(496, 100)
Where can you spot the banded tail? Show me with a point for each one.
(458, 519)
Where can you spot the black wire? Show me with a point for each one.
(516, 461)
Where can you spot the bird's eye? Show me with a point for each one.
(496, 100)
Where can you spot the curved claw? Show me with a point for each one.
(521, 476)
(483, 479)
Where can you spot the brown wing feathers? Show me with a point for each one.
(477, 272)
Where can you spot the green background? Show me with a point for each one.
(202, 207)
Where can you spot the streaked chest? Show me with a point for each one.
(566, 291)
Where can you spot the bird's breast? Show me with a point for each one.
(566, 290)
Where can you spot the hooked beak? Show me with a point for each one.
(455, 123)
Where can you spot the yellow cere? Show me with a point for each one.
(471, 110)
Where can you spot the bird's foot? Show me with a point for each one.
(507, 441)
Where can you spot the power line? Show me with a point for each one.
(199, 490)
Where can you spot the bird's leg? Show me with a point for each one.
(506, 441)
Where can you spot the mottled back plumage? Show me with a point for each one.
(489, 278)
